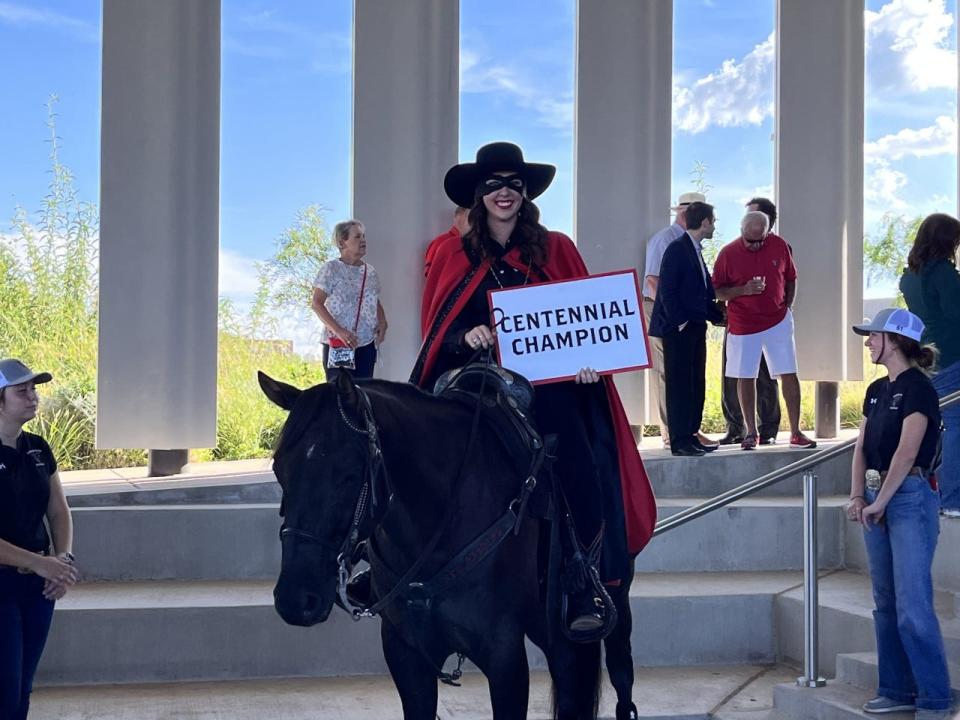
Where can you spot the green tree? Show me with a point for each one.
(286, 279)
(885, 252)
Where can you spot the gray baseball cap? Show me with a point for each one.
(893, 320)
(14, 372)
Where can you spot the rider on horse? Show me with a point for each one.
(611, 506)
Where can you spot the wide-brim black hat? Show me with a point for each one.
(461, 180)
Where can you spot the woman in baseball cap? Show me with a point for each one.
(893, 495)
(34, 572)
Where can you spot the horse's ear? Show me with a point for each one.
(277, 392)
(346, 388)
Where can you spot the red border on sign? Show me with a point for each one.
(643, 321)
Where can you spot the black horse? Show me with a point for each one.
(419, 477)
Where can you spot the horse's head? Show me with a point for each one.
(321, 464)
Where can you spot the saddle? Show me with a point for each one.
(506, 400)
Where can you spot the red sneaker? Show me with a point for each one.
(799, 440)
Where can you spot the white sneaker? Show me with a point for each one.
(950, 513)
(880, 705)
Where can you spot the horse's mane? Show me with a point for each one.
(313, 399)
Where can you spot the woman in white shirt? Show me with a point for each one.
(346, 298)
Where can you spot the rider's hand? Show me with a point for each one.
(480, 337)
(587, 376)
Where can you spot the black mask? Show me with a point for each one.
(495, 182)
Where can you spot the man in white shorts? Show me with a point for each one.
(756, 277)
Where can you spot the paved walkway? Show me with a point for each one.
(731, 692)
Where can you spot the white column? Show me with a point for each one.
(405, 134)
(819, 177)
(159, 224)
(622, 149)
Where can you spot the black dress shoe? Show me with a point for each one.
(731, 439)
(584, 612)
(687, 449)
(705, 448)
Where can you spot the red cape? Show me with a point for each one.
(448, 268)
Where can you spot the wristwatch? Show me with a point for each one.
(67, 557)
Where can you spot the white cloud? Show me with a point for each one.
(882, 185)
(554, 110)
(14, 14)
(238, 275)
(739, 93)
(907, 46)
(937, 139)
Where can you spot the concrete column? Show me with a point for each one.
(622, 145)
(159, 224)
(819, 177)
(405, 136)
(826, 409)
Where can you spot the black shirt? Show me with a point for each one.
(25, 491)
(886, 405)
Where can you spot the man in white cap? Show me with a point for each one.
(656, 246)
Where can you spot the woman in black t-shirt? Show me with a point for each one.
(893, 496)
(32, 576)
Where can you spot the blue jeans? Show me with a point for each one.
(25, 617)
(912, 662)
(945, 382)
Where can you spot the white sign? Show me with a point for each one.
(550, 331)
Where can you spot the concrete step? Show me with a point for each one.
(728, 467)
(253, 481)
(946, 561)
(846, 620)
(205, 630)
(835, 701)
(239, 542)
(726, 692)
(752, 535)
(860, 670)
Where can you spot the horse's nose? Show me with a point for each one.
(304, 608)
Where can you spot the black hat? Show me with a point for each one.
(461, 180)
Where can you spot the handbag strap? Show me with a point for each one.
(363, 285)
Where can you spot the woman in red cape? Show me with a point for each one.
(598, 464)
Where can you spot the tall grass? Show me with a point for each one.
(48, 318)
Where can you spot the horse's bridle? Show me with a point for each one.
(367, 502)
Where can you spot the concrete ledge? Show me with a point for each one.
(836, 701)
(846, 621)
(239, 541)
(166, 631)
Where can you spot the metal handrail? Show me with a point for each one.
(811, 602)
(765, 481)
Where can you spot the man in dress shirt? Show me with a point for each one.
(656, 246)
(685, 302)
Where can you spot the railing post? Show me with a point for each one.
(811, 601)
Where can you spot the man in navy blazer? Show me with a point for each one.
(685, 302)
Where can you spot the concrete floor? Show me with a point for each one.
(742, 692)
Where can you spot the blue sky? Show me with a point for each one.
(286, 105)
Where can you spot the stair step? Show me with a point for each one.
(846, 620)
(661, 693)
(239, 541)
(212, 630)
(729, 467)
(835, 701)
(860, 670)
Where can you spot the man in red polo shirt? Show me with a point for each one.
(756, 277)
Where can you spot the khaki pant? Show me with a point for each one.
(659, 381)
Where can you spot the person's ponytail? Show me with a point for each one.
(928, 357)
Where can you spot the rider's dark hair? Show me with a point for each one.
(529, 235)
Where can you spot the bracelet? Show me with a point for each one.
(858, 497)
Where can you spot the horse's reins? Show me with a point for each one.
(469, 557)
